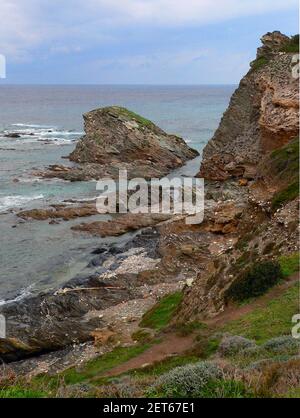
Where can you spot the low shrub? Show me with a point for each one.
(293, 45)
(282, 345)
(187, 381)
(234, 344)
(258, 63)
(255, 281)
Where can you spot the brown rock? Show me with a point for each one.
(243, 182)
(59, 212)
(102, 336)
(262, 115)
(119, 139)
(121, 224)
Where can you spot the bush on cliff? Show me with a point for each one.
(283, 165)
(255, 281)
(186, 381)
(293, 45)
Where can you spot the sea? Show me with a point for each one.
(34, 255)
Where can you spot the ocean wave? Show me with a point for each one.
(51, 134)
(9, 202)
(32, 126)
(22, 295)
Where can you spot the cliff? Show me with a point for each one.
(262, 114)
(255, 151)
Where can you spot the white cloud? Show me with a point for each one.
(26, 25)
(173, 12)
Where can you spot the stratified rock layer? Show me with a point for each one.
(116, 139)
(262, 115)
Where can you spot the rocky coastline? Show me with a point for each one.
(251, 212)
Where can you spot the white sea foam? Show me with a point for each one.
(28, 125)
(9, 202)
(23, 294)
(30, 133)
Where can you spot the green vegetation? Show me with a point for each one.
(270, 321)
(258, 63)
(289, 264)
(188, 328)
(255, 281)
(128, 114)
(199, 380)
(97, 367)
(186, 381)
(164, 366)
(223, 388)
(268, 325)
(283, 164)
(286, 195)
(293, 45)
(142, 336)
(160, 315)
(19, 391)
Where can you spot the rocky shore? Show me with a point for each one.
(251, 210)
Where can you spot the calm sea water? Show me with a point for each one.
(35, 255)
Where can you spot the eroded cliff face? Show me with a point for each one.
(255, 149)
(262, 114)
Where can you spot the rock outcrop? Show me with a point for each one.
(262, 115)
(116, 138)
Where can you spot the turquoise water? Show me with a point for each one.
(35, 255)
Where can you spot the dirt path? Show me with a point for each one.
(234, 312)
(172, 345)
(175, 345)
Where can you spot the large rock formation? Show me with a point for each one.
(262, 115)
(255, 146)
(116, 138)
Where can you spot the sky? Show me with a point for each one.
(136, 41)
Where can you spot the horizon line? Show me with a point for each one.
(121, 84)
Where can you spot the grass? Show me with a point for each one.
(92, 369)
(289, 264)
(164, 366)
(21, 392)
(104, 363)
(128, 114)
(142, 336)
(286, 195)
(160, 315)
(270, 321)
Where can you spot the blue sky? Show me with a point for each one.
(136, 41)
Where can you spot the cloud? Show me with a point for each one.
(172, 12)
(27, 25)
